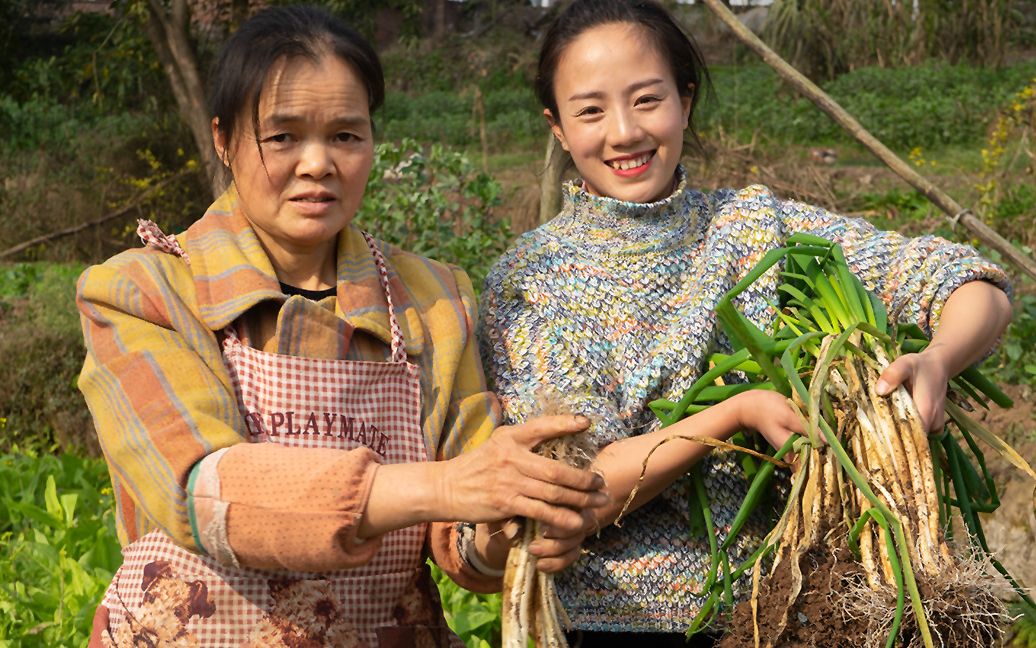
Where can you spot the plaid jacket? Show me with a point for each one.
(162, 399)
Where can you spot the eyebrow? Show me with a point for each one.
(639, 85)
(278, 119)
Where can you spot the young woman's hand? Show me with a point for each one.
(503, 478)
(556, 549)
(768, 413)
(973, 318)
(925, 376)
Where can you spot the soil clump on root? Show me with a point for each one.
(815, 618)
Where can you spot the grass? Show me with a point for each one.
(931, 105)
(41, 353)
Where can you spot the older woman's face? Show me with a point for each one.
(317, 149)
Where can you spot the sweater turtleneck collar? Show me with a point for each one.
(601, 224)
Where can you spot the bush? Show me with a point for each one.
(435, 203)
(58, 551)
(41, 354)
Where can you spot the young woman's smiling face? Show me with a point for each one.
(620, 114)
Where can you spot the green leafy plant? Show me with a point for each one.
(41, 353)
(474, 617)
(434, 202)
(58, 548)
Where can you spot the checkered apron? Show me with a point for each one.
(363, 606)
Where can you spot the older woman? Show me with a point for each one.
(282, 400)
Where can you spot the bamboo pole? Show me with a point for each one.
(550, 183)
(953, 210)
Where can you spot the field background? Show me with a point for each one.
(91, 131)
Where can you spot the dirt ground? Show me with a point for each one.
(1011, 530)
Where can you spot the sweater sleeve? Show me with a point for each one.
(913, 276)
(529, 360)
(162, 403)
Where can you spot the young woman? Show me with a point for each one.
(282, 400)
(611, 303)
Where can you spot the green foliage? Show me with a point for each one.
(58, 552)
(1023, 630)
(1015, 359)
(513, 117)
(433, 92)
(37, 123)
(437, 116)
(1012, 214)
(41, 353)
(929, 105)
(360, 14)
(61, 171)
(474, 617)
(97, 63)
(58, 548)
(435, 203)
(20, 24)
(87, 117)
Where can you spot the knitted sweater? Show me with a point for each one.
(612, 304)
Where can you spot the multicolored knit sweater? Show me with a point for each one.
(611, 305)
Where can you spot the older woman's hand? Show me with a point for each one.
(501, 479)
(504, 478)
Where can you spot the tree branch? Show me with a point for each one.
(134, 203)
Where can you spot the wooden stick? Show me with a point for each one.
(954, 211)
(550, 184)
(68, 231)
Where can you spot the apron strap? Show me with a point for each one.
(398, 349)
(153, 237)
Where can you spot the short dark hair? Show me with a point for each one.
(676, 47)
(274, 34)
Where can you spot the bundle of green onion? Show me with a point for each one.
(874, 501)
(531, 608)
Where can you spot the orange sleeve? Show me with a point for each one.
(444, 546)
(296, 509)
